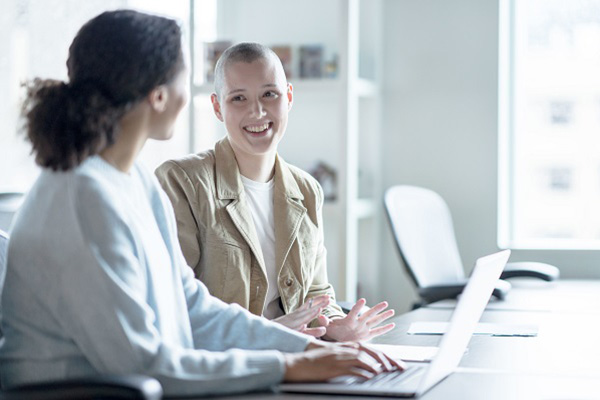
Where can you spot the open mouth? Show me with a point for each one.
(257, 130)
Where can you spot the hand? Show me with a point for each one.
(388, 363)
(354, 327)
(328, 361)
(300, 318)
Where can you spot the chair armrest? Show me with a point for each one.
(130, 387)
(530, 269)
(431, 294)
(435, 293)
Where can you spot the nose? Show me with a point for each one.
(257, 110)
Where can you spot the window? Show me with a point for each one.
(36, 35)
(549, 124)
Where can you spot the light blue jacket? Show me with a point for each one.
(96, 283)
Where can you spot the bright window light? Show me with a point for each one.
(36, 35)
(549, 124)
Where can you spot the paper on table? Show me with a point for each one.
(407, 353)
(483, 328)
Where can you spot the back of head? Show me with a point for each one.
(242, 52)
(115, 60)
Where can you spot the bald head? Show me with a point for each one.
(243, 52)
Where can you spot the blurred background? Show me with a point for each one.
(493, 104)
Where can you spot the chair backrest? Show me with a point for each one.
(9, 204)
(3, 251)
(422, 228)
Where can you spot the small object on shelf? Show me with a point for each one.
(331, 67)
(311, 61)
(212, 52)
(326, 175)
(285, 55)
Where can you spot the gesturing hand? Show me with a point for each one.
(364, 327)
(299, 319)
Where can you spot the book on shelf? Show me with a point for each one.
(285, 55)
(212, 52)
(311, 61)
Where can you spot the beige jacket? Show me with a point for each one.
(217, 234)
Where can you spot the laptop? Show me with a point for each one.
(417, 379)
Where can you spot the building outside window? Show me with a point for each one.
(549, 124)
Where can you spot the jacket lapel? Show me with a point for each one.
(288, 211)
(230, 187)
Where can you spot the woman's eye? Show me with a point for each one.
(237, 98)
(270, 94)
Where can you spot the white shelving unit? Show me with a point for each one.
(333, 120)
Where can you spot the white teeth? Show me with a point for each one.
(257, 129)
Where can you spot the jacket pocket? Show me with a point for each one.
(236, 280)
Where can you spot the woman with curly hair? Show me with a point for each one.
(96, 282)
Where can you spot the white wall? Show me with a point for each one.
(440, 127)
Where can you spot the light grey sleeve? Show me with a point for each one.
(103, 307)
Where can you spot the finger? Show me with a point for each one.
(380, 330)
(305, 315)
(349, 345)
(378, 356)
(355, 372)
(350, 371)
(356, 308)
(316, 332)
(323, 320)
(379, 318)
(363, 364)
(296, 319)
(401, 365)
(317, 301)
(374, 310)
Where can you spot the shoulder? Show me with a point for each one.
(193, 166)
(98, 194)
(191, 177)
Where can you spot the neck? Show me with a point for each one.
(259, 168)
(129, 142)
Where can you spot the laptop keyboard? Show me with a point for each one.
(383, 379)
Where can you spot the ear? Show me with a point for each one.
(216, 106)
(158, 98)
(290, 95)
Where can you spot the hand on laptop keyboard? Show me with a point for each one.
(323, 361)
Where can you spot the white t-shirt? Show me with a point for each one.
(259, 196)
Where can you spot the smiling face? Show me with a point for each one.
(254, 105)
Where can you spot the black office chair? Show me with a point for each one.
(424, 234)
(130, 387)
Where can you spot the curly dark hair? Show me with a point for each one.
(115, 60)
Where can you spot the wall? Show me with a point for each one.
(440, 127)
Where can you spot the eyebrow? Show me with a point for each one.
(234, 91)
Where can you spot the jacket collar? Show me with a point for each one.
(229, 183)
